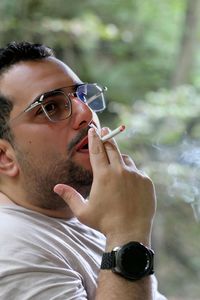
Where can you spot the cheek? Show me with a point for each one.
(40, 140)
(96, 119)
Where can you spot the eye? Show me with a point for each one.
(55, 105)
(51, 107)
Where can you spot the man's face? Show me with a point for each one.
(47, 152)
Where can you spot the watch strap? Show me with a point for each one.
(108, 260)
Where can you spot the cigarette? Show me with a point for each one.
(113, 133)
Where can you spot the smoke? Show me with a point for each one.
(164, 140)
(184, 172)
(191, 155)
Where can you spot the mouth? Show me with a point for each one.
(80, 142)
(82, 146)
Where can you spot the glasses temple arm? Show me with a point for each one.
(35, 103)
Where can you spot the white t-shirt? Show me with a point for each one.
(44, 258)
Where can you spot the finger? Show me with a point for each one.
(98, 156)
(106, 130)
(129, 161)
(114, 156)
(112, 149)
(75, 201)
(143, 173)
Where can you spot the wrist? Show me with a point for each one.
(132, 260)
(115, 239)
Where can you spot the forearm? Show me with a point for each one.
(112, 286)
(121, 205)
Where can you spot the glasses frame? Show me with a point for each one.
(39, 99)
(39, 102)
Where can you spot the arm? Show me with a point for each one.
(122, 206)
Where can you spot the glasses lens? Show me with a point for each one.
(92, 95)
(57, 106)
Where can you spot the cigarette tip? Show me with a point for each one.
(122, 127)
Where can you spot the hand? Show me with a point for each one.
(122, 200)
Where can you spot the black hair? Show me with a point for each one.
(12, 54)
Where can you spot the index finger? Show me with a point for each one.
(112, 149)
(98, 156)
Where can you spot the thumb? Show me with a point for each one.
(75, 201)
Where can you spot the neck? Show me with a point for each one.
(4, 199)
(64, 213)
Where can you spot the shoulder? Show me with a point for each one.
(26, 227)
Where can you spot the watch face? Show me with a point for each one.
(133, 260)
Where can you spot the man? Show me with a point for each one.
(54, 243)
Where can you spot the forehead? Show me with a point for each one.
(23, 82)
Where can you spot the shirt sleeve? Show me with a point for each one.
(157, 294)
(24, 280)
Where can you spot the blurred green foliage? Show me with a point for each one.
(163, 136)
(131, 47)
(104, 36)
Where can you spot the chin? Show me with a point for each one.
(85, 192)
(84, 163)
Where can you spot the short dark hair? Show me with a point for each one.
(12, 54)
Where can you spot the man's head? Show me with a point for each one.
(35, 152)
(9, 56)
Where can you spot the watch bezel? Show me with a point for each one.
(120, 252)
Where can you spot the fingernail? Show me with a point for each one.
(104, 130)
(93, 132)
(58, 189)
(94, 141)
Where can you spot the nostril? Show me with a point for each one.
(82, 123)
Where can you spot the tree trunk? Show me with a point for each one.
(188, 45)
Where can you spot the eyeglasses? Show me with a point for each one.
(56, 105)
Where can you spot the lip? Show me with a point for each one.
(81, 144)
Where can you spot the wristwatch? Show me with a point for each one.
(132, 261)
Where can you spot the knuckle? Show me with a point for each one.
(126, 156)
(148, 182)
(81, 214)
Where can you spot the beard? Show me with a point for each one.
(40, 178)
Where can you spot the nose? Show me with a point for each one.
(81, 114)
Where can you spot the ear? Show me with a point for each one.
(8, 162)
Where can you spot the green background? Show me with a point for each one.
(147, 54)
